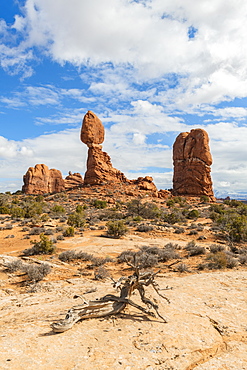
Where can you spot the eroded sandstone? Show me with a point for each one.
(192, 160)
(41, 180)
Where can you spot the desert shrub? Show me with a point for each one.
(233, 225)
(37, 272)
(39, 198)
(84, 256)
(8, 227)
(17, 212)
(14, 266)
(100, 204)
(221, 260)
(144, 228)
(145, 210)
(193, 214)
(9, 236)
(63, 219)
(173, 217)
(44, 246)
(58, 229)
(76, 219)
(182, 267)
(69, 231)
(214, 248)
(67, 256)
(148, 256)
(193, 232)
(80, 208)
(204, 199)
(243, 259)
(137, 219)
(194, 250)
(32, 208)
(49, 232)
(116, 229)
(125, 256)
(25, 229)
(99, 261)
(101, 273)
(4, 210)
(217, 261)
(170, 203)
(37, 230)
(179, 230)
(45, 217)
(58, 209)
(60, 237)
(217, 208)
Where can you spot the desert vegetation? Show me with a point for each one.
(202, 236)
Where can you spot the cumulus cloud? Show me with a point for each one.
(149, 39)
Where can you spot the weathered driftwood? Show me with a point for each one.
(111, 304)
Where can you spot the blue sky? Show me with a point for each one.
(149, 69)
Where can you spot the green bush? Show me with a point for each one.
(17, 212)
(204, 199)
(145, 210)
(44, 246)
(100, 204)
(58, 209)
(116, 229)
(173, 217)
(193, 214)
(76, 219)
(234, 226)
(4, 210)
(80, 208)
(70, 231)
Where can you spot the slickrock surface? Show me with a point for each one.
(192, 161)
(206, 329)
(73, 180)
(92, 131)
(41, 180)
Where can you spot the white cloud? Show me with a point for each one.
(145, 40)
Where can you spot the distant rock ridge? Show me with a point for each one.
(192, 160)
(42, 180)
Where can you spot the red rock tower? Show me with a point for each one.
(192, 161)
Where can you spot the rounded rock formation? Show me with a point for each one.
(92, 131)
(41, 180)
(192, 161)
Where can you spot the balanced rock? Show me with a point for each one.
(99, 166)
(42, 180)
(92, 131)
(192, 161)
(73, 180)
